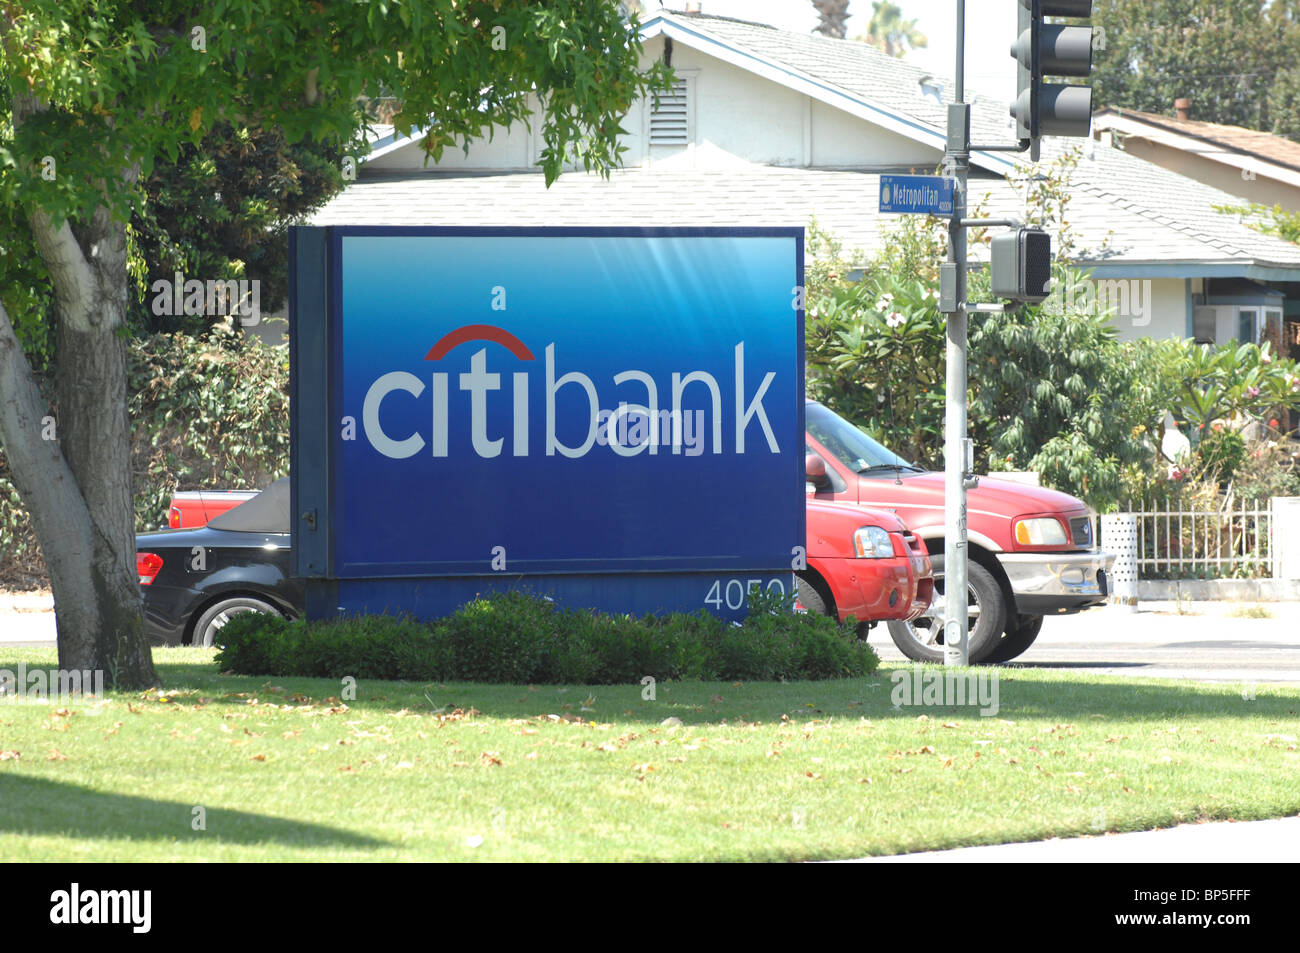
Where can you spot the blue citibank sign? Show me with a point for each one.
(610, 416)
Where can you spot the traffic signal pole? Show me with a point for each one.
(1019, 264)
(956, 645)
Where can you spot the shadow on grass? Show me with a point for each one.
(34, 806)
(1049, 690)
(1022, 691)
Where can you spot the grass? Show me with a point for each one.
(1250, 612)
(283, 770)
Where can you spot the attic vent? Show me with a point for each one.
(670, 118)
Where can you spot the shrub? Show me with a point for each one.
(521, 638)
(206, 412)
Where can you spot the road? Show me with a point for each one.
(1206, 642)
(1199, 641)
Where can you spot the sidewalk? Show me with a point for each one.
(1276, 841)
(26, 617)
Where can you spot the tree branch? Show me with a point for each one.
(37, 465)
(70, 273)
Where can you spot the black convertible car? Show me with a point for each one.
(194, 580)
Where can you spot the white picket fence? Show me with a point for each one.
(1233, 539)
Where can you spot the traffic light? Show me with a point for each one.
(1020, 264)
(1051, 49)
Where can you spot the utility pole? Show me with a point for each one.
(1020, 263)
(952, 294)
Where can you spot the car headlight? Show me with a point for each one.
(872, 542)
(1043, 531)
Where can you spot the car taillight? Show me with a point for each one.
(174, 517)
(147, 567)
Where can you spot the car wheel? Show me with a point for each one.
(219, 613)
(1019, 637)
(809, 597)
(922, 639)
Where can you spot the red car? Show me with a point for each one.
(864, 563)
(191, 509)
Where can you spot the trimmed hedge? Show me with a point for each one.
(520, 638)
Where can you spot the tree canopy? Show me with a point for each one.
(1239, 62)
(96, 95)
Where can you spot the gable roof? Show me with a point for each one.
(854, 77)
(1138, 219)
(1131, 218)
(1120, 212)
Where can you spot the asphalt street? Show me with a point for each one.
(1203, 641)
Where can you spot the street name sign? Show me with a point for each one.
(920, 194)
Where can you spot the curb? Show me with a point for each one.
(1218, 590)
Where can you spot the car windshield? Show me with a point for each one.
(268, 512)
(854, 448)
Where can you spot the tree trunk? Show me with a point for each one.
(73, 473)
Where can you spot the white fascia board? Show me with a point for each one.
(1135, 268)
(830, 95)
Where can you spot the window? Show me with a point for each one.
(670, 117)
(1271, 329)
(1248, 325)
(1203, 325)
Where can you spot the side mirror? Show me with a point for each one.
(815, 470)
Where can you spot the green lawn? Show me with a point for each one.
(758, 771)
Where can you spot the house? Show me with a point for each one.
(774, 127)
(1256, 166)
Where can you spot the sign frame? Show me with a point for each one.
(317, 368)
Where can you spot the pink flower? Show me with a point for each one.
(1252, 391)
